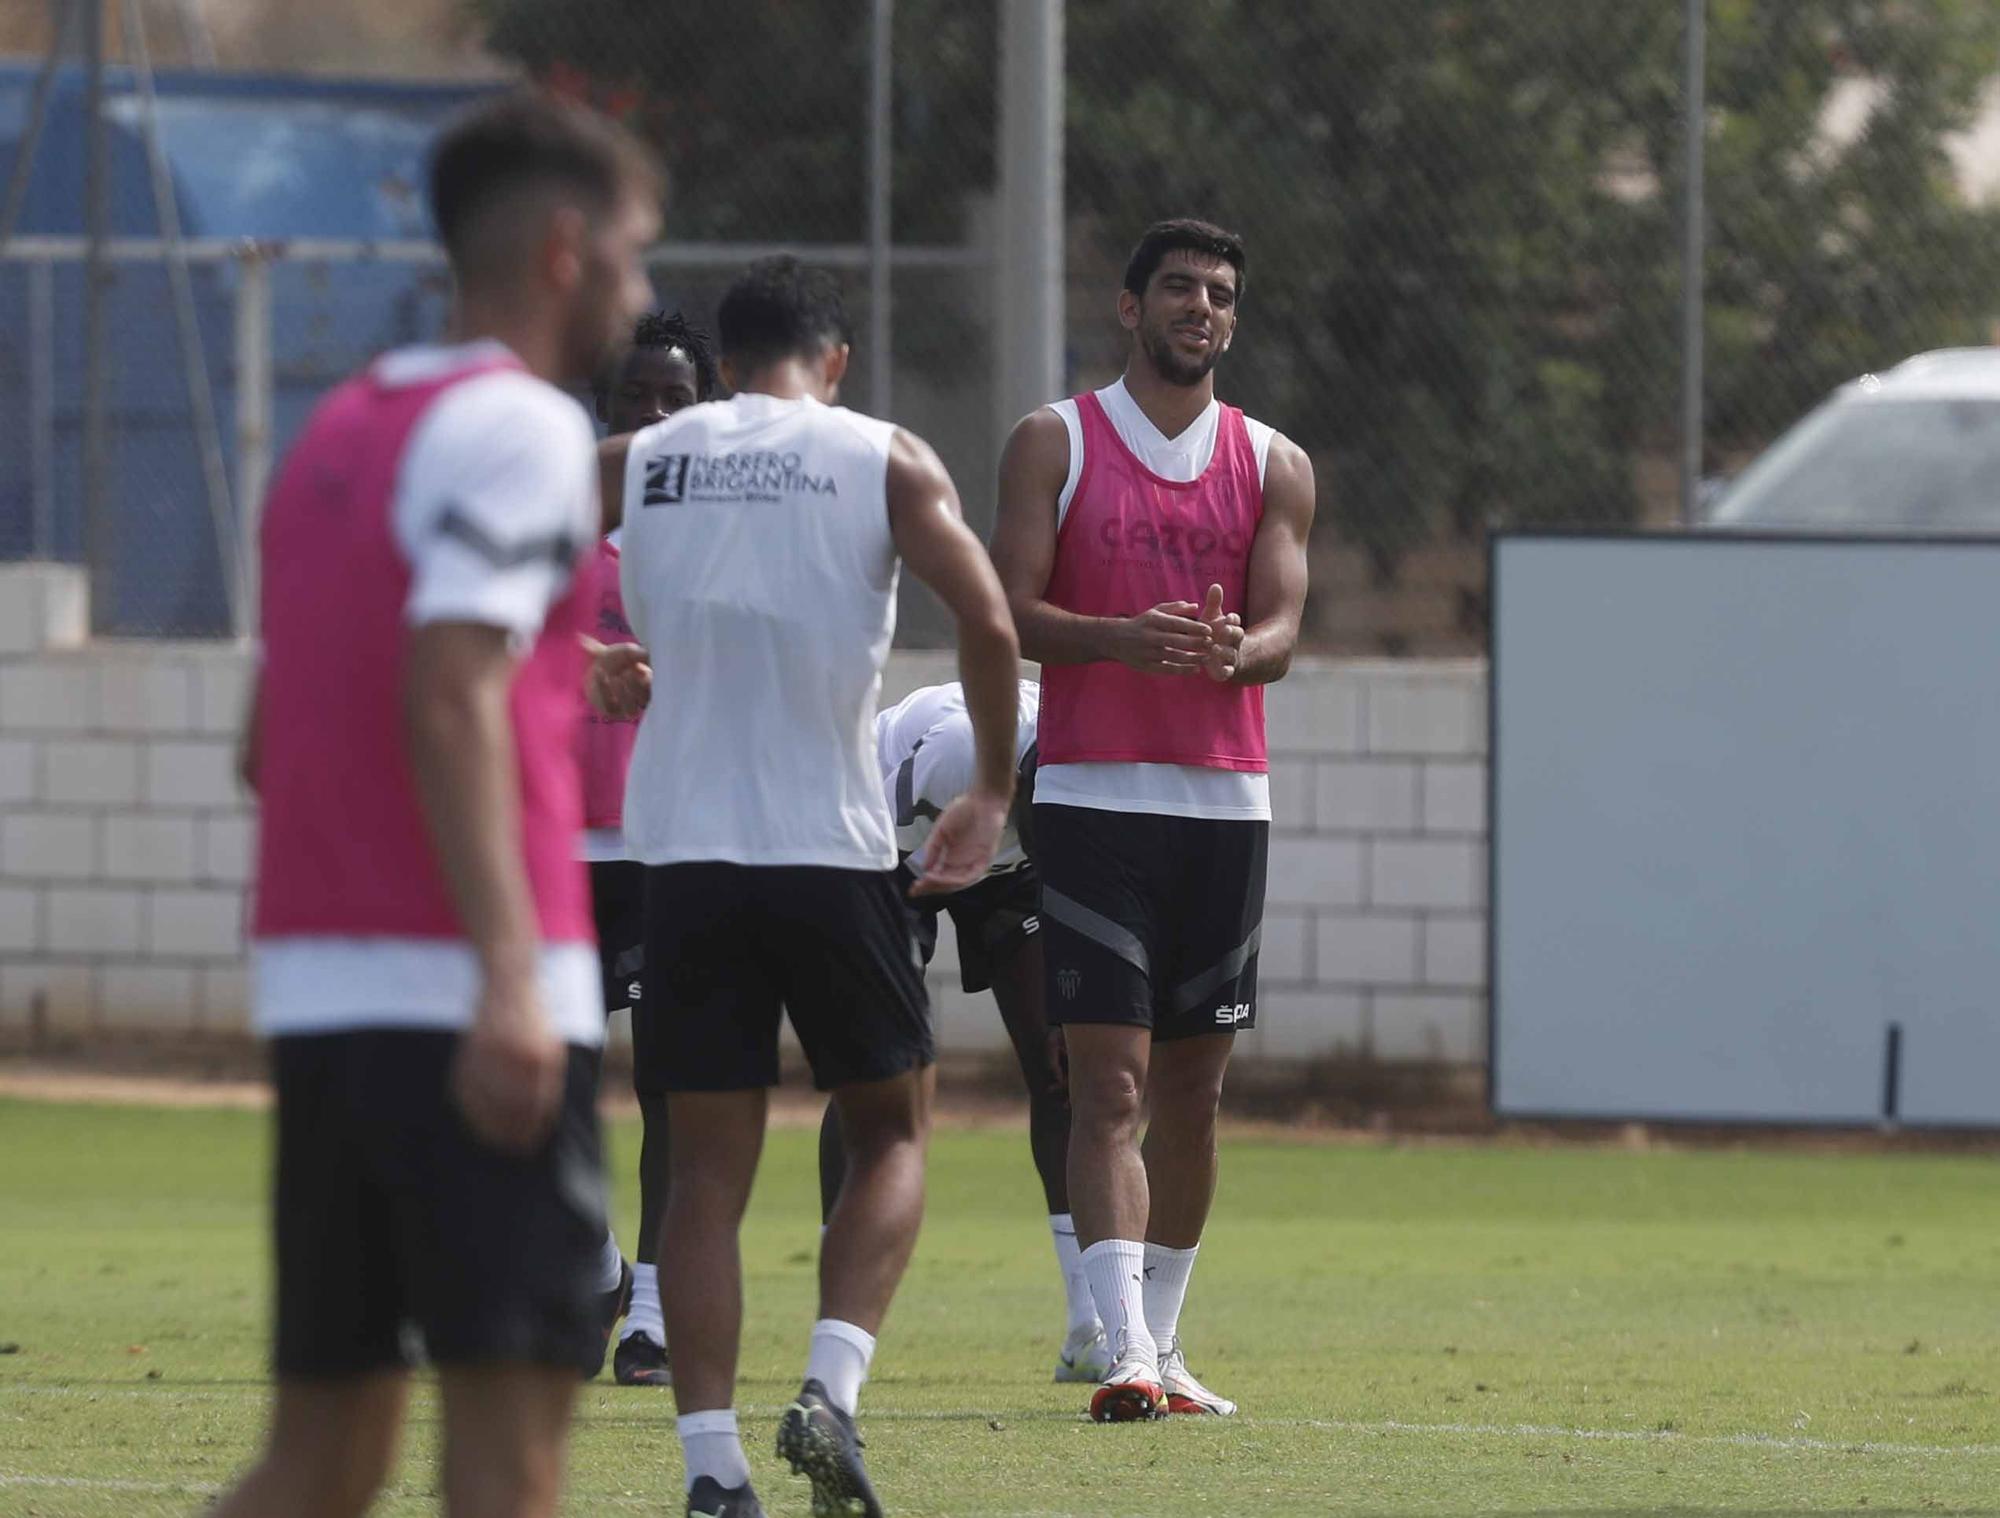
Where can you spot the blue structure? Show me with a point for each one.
(251, 156)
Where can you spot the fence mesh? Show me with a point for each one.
(1463, 219)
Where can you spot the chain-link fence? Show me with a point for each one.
(1464, 220)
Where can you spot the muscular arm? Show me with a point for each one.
(1277, 590)
(1164, 640)
(931, 535)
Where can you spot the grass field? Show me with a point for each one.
(1409, 1329)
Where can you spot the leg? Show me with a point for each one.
(331, 1447)
(885, 1127)
(832, 1163)
(1184, 1089)
(1107, 1084)
(506, 1428)
(654, 1147)
(717, 1138)
(1022, 1000)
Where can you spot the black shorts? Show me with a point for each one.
(618, 900)
(993, 918)
(1151, 921)
(736, 946)
(396, 1228)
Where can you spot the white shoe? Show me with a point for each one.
(1084, 1357)
(1184, 1394)
(1130, 1394)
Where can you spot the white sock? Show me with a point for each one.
(645, 1316)
(839, 1360)
(711, 1446)
(1116, 1268)
(1083, 1320)
(1167, 1272)
(610, 1263)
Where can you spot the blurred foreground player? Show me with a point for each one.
(762, 548)
(1153, 543)
(924, 745)
(666, 367)
(423, 962)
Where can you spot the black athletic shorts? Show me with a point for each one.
(618, 900)
(736, 946)
(398, 1229)
(1149, 920)
(993, 918)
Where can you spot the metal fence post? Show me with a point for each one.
(96, 201)
(42, 405)
(1028, 273)
(1694, 232)
(881, 168)
(254, 385)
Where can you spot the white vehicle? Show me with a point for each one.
(1916, 449)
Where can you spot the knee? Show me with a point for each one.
(315, 1480)
(1109, 1099)
(1190, 1097)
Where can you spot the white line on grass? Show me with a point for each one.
(1801, 1444)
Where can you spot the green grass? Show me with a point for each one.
(1409, 1330)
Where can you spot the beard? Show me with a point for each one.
(1170, 365)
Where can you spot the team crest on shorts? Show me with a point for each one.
(1069, 982)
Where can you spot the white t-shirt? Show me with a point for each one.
(759, 571)
(1173, 790)
(496, 503)
(925, 746)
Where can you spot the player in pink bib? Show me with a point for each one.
(423, 960)
(1153, 545)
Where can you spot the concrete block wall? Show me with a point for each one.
(125, 843)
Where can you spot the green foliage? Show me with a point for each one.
(1463, 214)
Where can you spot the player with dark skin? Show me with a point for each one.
(668, 365)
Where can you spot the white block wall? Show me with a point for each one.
(125, 843)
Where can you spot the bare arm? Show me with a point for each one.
(1168, 639)
(1277, 590)
(250, 743)
(461, 745)
(611, 456)
(931, 535)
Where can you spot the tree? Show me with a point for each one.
(1462, 214)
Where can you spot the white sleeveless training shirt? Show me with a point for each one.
(758, 570)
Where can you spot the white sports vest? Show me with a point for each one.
(758, 570)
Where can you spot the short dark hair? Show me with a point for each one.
(657, 330)
(1184, 234)
(778, 308)
(524, 139)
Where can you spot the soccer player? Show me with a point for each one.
(422, 958)
(667, 367)
(924, 745)
(1153, 544)
(762, 543)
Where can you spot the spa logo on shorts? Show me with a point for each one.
(1230, 1016)
(728, 479)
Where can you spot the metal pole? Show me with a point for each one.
(1028, 346)
(64, 17)
(187, 322)
(1694, 230)
(42, 404)
(880, 168)
(97, 544)
(253, 421)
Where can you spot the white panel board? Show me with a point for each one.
(1746, 817)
